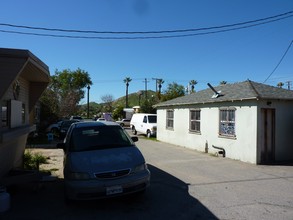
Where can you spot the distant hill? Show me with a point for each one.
(133, 99)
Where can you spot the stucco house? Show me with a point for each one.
(23, 78)
(250, 121)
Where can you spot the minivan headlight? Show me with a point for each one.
(139, 168)
(78, 176)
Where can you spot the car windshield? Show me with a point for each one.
(152, 118)
(99, 137)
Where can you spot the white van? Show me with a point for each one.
(144, 123)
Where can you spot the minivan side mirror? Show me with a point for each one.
(134, 138)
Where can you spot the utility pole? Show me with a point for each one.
(289, 84)
(156, 83)
(146, 88)
(88, 101)
(159, 83)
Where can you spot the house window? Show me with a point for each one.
(23, 113)
(227, 122)
(4, 114)
(170, 119)
(194, 124)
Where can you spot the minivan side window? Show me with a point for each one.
(145, 119)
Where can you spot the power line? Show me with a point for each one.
(115, 80)
(284, 15)
(279, 61)
(139, 38)
(198, 31)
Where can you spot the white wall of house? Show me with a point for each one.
(13, 144)
(249, 138)
(243, 147)
(23, 101)
(23, 79)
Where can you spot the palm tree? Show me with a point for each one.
(280, 84)
(192, 83)
(127, 80)
(160, 82)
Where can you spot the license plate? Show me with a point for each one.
(114, 190)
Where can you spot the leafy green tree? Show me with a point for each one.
(174, 90)
(280, 85)
(147, 107)
(49, 108)
(118, 112)
(69, 88)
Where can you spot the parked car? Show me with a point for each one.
(53, 128)
(144, 123)
(65, 126)
(100, 161)
(124, 122)
(76, 117)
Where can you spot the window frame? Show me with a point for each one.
(196, 120)
(170, 120)
(5, 118)
(23, 113)
(227, 122)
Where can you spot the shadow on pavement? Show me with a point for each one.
(166, 198)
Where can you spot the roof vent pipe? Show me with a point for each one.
(216, 93)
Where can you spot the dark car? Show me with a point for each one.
(54, 128)
(64, 126)
(100, 161)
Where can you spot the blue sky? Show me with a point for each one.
(233, 56)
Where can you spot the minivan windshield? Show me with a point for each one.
(99, 137)
(152, 118)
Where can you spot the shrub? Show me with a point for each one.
(32, 161)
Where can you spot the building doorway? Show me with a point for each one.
(267, 154)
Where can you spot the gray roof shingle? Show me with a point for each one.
(247, 90)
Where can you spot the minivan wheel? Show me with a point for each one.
(148, 134)
(134, 131)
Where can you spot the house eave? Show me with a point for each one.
(205, 102)
(15, 63)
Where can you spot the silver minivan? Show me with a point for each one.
(101, 160)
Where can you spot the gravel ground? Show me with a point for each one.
(54, 160)
(54, 157)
